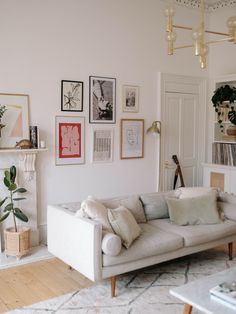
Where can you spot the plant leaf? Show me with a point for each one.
(7, 175)
(9, 207)
(20, 190)
(20, 215)
(19, 198)
(4, 216)
(12, 187)
(13, 174)
(6, 182)
(2, 201)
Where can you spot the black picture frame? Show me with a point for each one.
(102, 100)
(72, 96)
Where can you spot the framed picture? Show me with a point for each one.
(130, 98)
(71, 96)
(132, 138)
(14, 121)
(102, 99)
(69, 137)
(102, 145)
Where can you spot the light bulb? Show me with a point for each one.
(169, 11)
(197, 33)
(170, 37)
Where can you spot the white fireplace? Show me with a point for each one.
(26, 165)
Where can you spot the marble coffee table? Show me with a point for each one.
(196, 294)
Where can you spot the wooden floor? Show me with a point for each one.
(38, 281)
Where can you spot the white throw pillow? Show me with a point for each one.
(195, 210)
(195, 191)
(111, 244)
(124, 225)
(92, 209)
(228, 209)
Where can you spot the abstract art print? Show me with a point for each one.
(102, 145)
(132, 138)
(15, 120)
(102, 99)
(130, 98)
(71, 96)
(69, 140)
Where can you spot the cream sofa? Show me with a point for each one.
(78, 241)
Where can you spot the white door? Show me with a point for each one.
(183, 132)
(181, 137)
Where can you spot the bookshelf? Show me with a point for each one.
(224, 139)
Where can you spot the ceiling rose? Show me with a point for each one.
(211, 5)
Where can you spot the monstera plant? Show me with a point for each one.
(225, 97)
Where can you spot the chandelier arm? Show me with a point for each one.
(206, 31)
(208, 43)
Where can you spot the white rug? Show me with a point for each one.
(144, 291)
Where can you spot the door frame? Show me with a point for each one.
(175, 83)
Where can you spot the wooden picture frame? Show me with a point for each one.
(130, 98)
(102, 99)
(15, 120)
(69, 140)
(131, 138)
(72, 96)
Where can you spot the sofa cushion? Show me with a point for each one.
(194, 210)
(111, 244)
(228, 209)
(131, 202)
(198, 234)
(95, 210)
(153, 241)
(227, 198)
(186, 192)
(124, 225)
(155, 205)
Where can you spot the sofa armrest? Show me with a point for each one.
(76, 241)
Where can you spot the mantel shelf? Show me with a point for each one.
(22, 151)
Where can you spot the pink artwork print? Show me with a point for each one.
(69, 140)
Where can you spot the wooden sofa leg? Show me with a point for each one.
(230, 247)
(113, 286)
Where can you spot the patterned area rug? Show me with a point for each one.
(140, 292)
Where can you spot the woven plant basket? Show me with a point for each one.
(17, 243)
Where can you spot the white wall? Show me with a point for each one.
(45, 41)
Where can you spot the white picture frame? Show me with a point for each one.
(102, 141)
(130, 98)
(15, 119)
(69, 140)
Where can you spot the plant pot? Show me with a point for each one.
(231, 130)
(17, 243)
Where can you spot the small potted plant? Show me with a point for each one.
(17, 239)
(224, 97)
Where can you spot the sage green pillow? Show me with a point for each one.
(124, 225)
(194, 211)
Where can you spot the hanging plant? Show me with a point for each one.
(224, 97)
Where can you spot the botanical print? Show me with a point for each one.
(69, 140)
(102, 145)
(131, 138)
(71, 96)
(130, 98)
(14, 121)
(102, 100)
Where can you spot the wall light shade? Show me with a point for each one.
(154, 127)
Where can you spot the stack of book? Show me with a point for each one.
(225, 293)
(224, 154)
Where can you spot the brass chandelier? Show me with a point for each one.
(199, 44)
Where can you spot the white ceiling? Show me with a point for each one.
(211, 5)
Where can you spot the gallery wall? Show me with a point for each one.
(46, 41)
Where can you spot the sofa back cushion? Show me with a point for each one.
(133, 204)
(155, 205)
(194, 211)
(186, 192)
